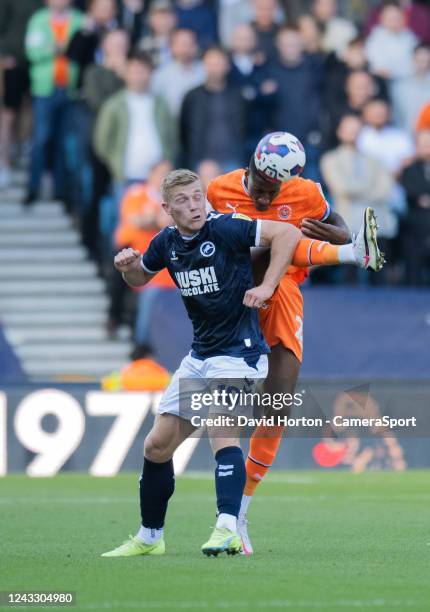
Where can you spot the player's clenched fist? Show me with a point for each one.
(257, 296)
(127, 260)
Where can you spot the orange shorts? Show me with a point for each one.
(282, 321)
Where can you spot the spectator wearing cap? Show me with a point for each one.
(416, 182)
(390, 46)
(200, 17)
(174, 79)
(298, 78)
(337, 31)
(417, 16)
(13, 22)
(134, 130)
(212, 122)
(156, 42)
(53, 81)
(250, 72)
(411, 93)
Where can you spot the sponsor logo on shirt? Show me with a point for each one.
(232, 207)
(197, 282)
(241, 216)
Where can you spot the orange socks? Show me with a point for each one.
(311, 252)
(263, 447)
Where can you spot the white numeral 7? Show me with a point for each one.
(130, 410)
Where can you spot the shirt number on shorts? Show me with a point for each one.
(299, 332)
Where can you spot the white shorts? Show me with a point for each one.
(175, 399)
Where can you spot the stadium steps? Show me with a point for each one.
(86, 369)
(60, 318)
(45, 270)
(85, 286)
(64, 303)
(53, 304)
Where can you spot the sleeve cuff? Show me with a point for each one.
(257, 232)
(147, 269)
(327, 212)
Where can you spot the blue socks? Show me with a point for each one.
(230, 478)
(157, 484)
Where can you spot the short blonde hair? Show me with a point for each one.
(177, 178)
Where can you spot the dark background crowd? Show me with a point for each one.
(121, 91)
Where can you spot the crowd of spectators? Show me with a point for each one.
(123, 90)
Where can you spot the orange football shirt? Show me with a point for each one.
(298, 199)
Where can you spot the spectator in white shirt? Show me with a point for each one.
(174, 79)
(231, 14)
(337, 31)
(391, 145)
(410, 94)
(391, 44)
(357, 180)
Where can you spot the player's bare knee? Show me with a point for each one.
(156, 449)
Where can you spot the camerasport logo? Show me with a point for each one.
(284, 212)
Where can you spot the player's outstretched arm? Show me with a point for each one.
(282, 238)
(128, 262)
(333, 229)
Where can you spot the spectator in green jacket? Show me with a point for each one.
(53, 81)
(134, 130)
(13, 23)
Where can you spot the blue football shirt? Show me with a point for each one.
(213, 271)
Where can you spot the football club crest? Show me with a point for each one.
(207, 249)
(284, 212)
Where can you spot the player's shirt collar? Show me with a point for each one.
(244, 185)
(188, 238)
(185, 238)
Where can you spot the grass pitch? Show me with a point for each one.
(333, 541)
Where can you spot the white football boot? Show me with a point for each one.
(242, 530)
(365, 244)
